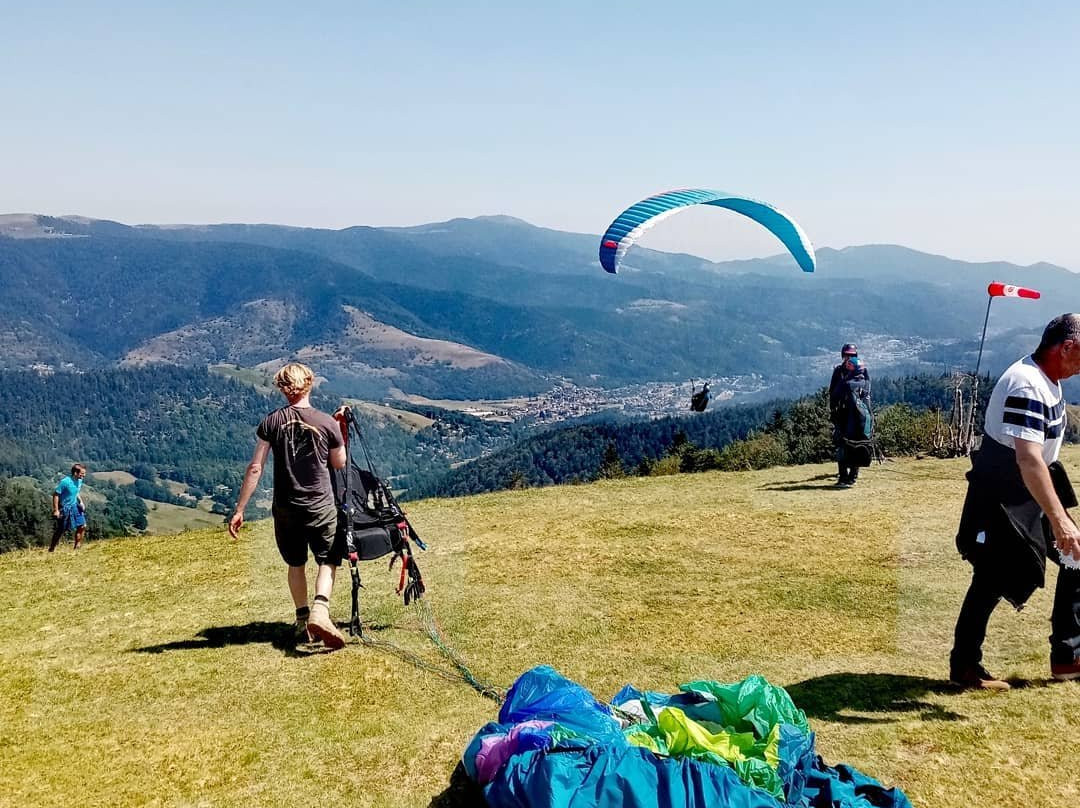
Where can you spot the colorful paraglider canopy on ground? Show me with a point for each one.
(742, 744)
(635, 220)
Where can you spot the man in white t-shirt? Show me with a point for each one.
(1015, 511)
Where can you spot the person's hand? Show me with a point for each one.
(1067, 539)
(340, 412)
(235, 523)
(56, 513)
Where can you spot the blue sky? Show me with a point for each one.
(952, 128)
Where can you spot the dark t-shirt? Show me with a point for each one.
(301, 439)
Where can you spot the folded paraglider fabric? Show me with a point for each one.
(739, 745)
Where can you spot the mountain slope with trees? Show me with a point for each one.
(772, 433)
(87, 292)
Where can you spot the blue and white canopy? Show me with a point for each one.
(635, 220)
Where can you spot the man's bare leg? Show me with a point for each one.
(298, 585)
(320, 623)
(324, 580)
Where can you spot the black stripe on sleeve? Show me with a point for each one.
(1029, 404)
(1026, 421)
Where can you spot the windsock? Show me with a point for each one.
(999, 289)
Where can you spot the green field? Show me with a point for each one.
(407, 420)
(156, 671)
(163, 517)
(261, 380)
(118, 477)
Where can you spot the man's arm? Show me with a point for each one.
(56, 505)
(251, 482)
(1037, 480)
(338, 457)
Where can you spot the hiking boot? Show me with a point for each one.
(976, 677)
(300, 631)
(1064, 671)
(321, 627)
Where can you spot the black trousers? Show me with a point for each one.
(982, 598)
(848, 474)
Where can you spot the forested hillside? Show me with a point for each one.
(488, 307)
(797, 432)
(165, 425)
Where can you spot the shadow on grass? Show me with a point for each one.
(828, 697)
(279, 635)
(461, 793)
(820, 482)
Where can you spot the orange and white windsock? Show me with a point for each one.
(998, 289)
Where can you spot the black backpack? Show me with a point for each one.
(370, 522)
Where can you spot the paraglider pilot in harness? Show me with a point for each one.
(851, 416)
(699, 399)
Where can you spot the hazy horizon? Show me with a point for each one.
(943, 129)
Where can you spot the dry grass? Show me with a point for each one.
(153, 671)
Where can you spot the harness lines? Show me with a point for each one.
(371, 524)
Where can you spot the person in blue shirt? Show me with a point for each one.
(68, 509)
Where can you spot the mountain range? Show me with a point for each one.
(488, 307)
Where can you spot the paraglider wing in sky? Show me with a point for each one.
(635, 220)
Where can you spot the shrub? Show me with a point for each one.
(759, 451)
(902, 431)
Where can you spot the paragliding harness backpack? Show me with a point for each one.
(855, 423)
(371, 524)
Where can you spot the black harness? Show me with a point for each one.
(371, 524)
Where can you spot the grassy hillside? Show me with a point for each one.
(162, 517)
(155, 671)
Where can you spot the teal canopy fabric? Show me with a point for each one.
(635, 220)
(713, 745)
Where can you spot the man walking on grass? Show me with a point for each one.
(69, 512)
(305, 443)
(1014, 515)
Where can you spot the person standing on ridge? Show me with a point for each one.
(849, 412)
(305, 442)
(69, 512)
(1014, 514)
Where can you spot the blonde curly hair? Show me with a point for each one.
(294, 379)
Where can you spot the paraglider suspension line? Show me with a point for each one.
(461, 671)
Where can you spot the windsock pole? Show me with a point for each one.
(999, 289)
(990, 299)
